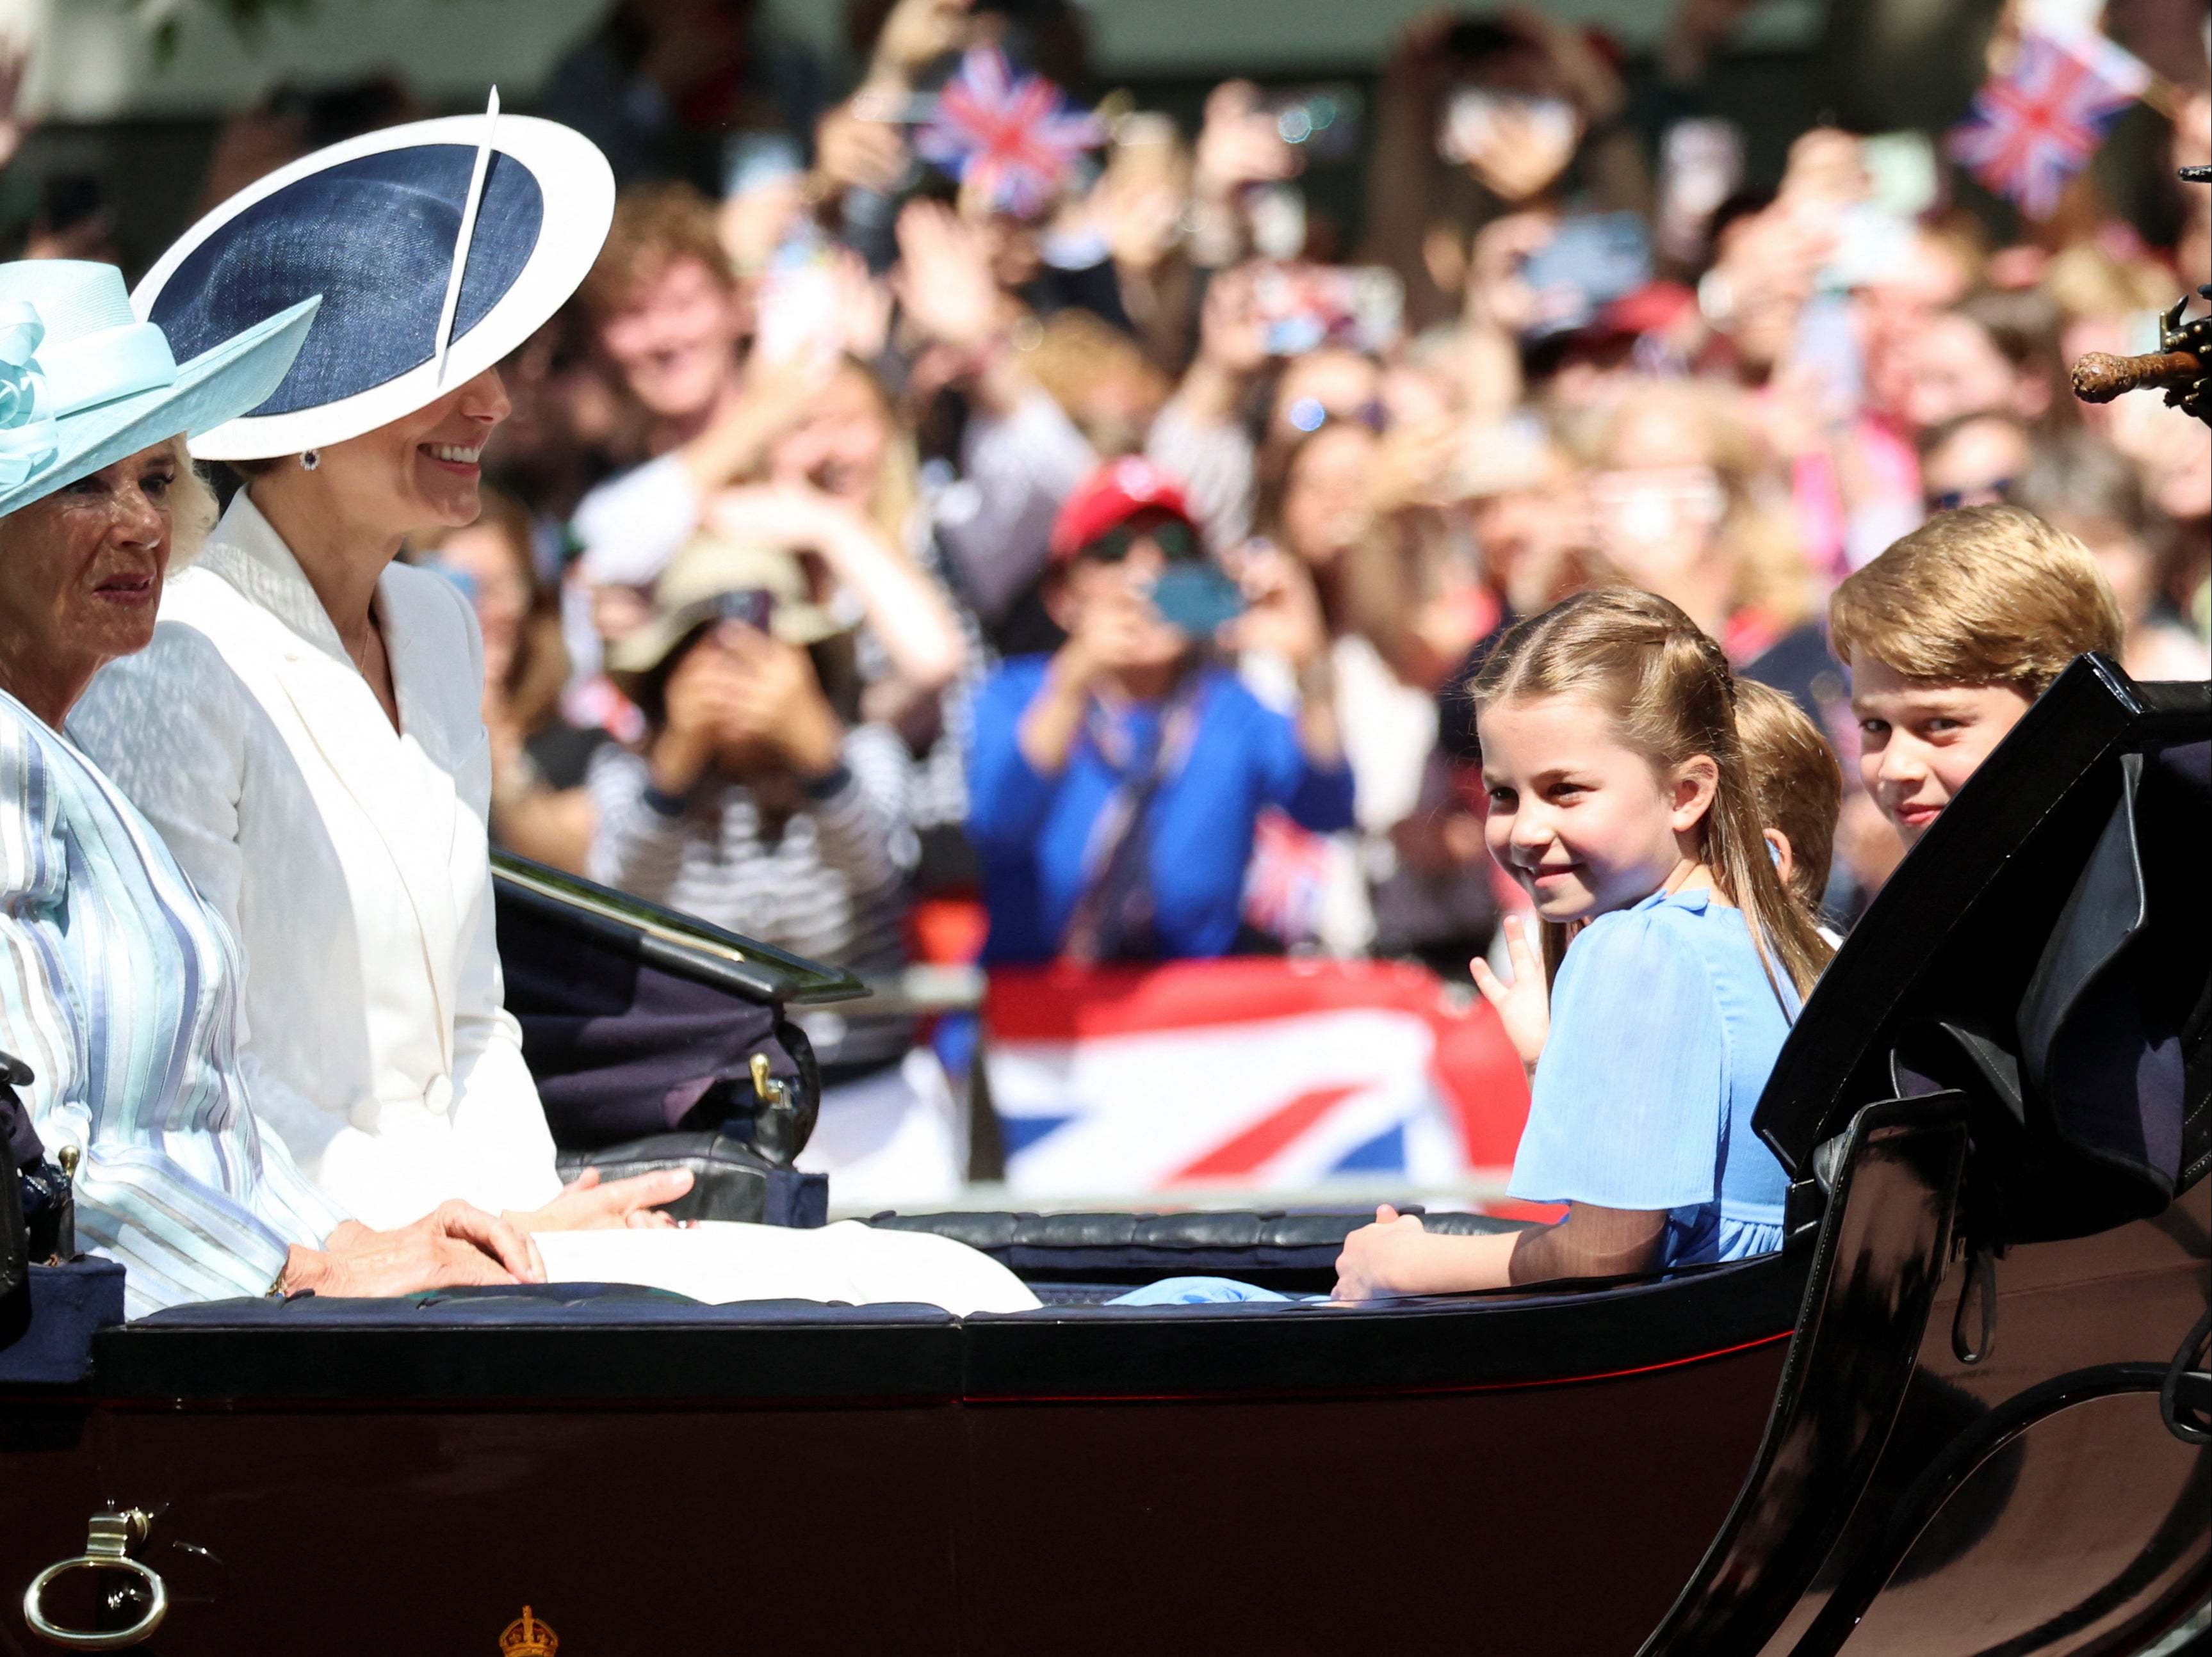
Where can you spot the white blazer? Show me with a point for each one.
(349, 860)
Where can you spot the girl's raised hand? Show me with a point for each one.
(1524, 1006)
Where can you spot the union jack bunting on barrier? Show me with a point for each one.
(1254, 1072)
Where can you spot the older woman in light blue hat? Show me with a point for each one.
(118, 988)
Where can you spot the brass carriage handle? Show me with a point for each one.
(108, 1544)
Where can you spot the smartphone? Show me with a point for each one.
(1303, 306)
(1593, 260)
(1196, 598)
(797, 307)
(1827, 342)
(755, 161)
(754, 606)
(1871, 243)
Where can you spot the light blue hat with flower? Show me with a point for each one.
(83, 382)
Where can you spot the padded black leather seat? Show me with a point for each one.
(1274, 1248)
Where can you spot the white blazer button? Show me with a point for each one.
(439, 1095)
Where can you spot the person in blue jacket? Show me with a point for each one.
(1115, 784)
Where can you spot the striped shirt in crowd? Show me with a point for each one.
(119, 989)
(823, 873)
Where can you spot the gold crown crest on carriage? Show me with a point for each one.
(527, 1637)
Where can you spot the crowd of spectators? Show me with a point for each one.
(1109, 542)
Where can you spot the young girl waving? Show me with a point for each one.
(1618, 800)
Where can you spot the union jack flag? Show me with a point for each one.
(2031, 130)
(1288, 874)
(1256, 1072)
(1011, 138)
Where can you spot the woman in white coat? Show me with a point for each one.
(305, 730)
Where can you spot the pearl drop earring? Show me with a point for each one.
(310, 458)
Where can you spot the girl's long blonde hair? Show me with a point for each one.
(1669, 691)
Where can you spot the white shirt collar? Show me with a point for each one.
(246, 551)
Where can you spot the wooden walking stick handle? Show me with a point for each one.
(2100, 376)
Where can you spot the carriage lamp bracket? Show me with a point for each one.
(108, 1540)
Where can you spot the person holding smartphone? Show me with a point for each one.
(1115, 784)
(759, 802)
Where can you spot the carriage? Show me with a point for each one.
(1964, 1411)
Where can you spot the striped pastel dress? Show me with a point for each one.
(119, 988)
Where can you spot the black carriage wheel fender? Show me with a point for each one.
(1866, 1309)
(1942, 1478)
(2181, 1372)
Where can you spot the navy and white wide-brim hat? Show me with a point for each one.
(378, 226)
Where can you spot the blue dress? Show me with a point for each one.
(1664, 1029)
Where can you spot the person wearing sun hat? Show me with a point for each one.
(305, 730)
(754, 804)
(118, 984)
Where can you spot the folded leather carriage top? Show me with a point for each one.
(658, 1042)
(731, 1180)
(2043, 953)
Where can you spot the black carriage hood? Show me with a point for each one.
(2046, 946)
(666, 939)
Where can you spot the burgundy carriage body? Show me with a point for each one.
(1788, 1454)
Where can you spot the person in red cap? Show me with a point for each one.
(1113, 784)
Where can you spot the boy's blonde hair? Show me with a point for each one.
(1982, 596)
(1669, 691)
(1796, 781)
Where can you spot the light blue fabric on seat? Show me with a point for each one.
(1665, 1026)
(1195, 1291)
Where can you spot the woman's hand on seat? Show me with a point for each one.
(586, 1204)
(453, 1244)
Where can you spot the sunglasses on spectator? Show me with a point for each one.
(1981, 495)
(1309, 414)
(1177, 540)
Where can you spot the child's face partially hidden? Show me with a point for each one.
(1920, 741)
(1584, 824)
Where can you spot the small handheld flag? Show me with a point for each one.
(2032, 129)
(1011, 138)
